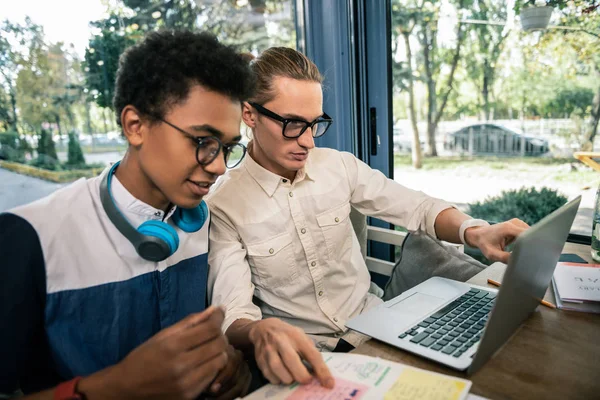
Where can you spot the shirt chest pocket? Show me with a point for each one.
(337, 230)
(273, 263)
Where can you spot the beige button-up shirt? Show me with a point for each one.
(292, 246)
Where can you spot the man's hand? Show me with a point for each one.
(280, 349)
(492, 240)
(234, 380)
(178, 362)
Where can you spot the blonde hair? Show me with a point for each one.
(280, 62)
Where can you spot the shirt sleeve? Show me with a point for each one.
(373, 194)
(23, 288)
(229, 277)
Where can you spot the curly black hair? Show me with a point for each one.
(159, 71)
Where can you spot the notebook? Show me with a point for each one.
(577, 286)
(362, 377)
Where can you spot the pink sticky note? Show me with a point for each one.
(343, 390)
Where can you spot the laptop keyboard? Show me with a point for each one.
(455, 328)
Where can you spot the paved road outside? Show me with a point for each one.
(18, 189)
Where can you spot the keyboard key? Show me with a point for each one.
(491, 296)
(403, 335)
(459, 330)
(436, 347)
(456, 344)
(453, 334)
(419, 337)
(453, 324)
(461, 339)
(458, 354)
(424, 324)
(436, 336)
(412, 332)
(443, 342)
(444, 331)
(429, 331)
(472, 291)
(429, 320)
(480, 295)
(449, 307)
(449, 349)
(446, 319)
(427, 342)
(467, 335)
(414, 328)
(473, 331)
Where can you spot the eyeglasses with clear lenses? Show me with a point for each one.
(293, 128)
(209, 147)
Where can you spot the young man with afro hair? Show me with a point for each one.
(104, 282)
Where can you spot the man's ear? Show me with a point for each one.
(248, 115)
(133, 125)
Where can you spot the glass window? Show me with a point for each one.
(499, 108)
(57, 78)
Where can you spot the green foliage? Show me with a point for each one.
(45, 162)
(46, 146)
(74, 154)
(11, 148)
(102, 61)
(568, 101)
(527, 204)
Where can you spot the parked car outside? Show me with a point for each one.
(494, 139)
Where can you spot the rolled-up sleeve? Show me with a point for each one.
(373, 194)
(229, 278)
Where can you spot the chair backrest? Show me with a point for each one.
(364, 233)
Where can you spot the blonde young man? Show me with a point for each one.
(281, 230)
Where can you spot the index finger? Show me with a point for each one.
(315, 359)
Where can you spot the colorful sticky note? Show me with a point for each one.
(416, 384)
(343, 390)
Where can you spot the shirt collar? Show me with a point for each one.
(135, 210)
(268, 180)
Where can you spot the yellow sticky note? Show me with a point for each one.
(419, 384)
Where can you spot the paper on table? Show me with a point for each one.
(420, 384)
(343, 390)
(579, 282)
(363, 377)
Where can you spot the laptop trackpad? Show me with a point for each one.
(418, 304)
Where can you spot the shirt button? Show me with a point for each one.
(284, 180)
(320, 293)
(271, 251)
(335, 319)
(291, 194)
(337, 219)
(157, 214)
(313, 263)
(303, 231)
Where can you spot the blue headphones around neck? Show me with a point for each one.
(153, 240)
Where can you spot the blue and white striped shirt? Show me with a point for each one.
(76, 297)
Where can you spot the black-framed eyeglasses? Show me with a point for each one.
(293, 128)
(209, 147)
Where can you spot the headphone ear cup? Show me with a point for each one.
(166, 240)
(191, 219)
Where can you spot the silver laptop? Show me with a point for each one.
(462, 325)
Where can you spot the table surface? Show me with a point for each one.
(555, 354)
